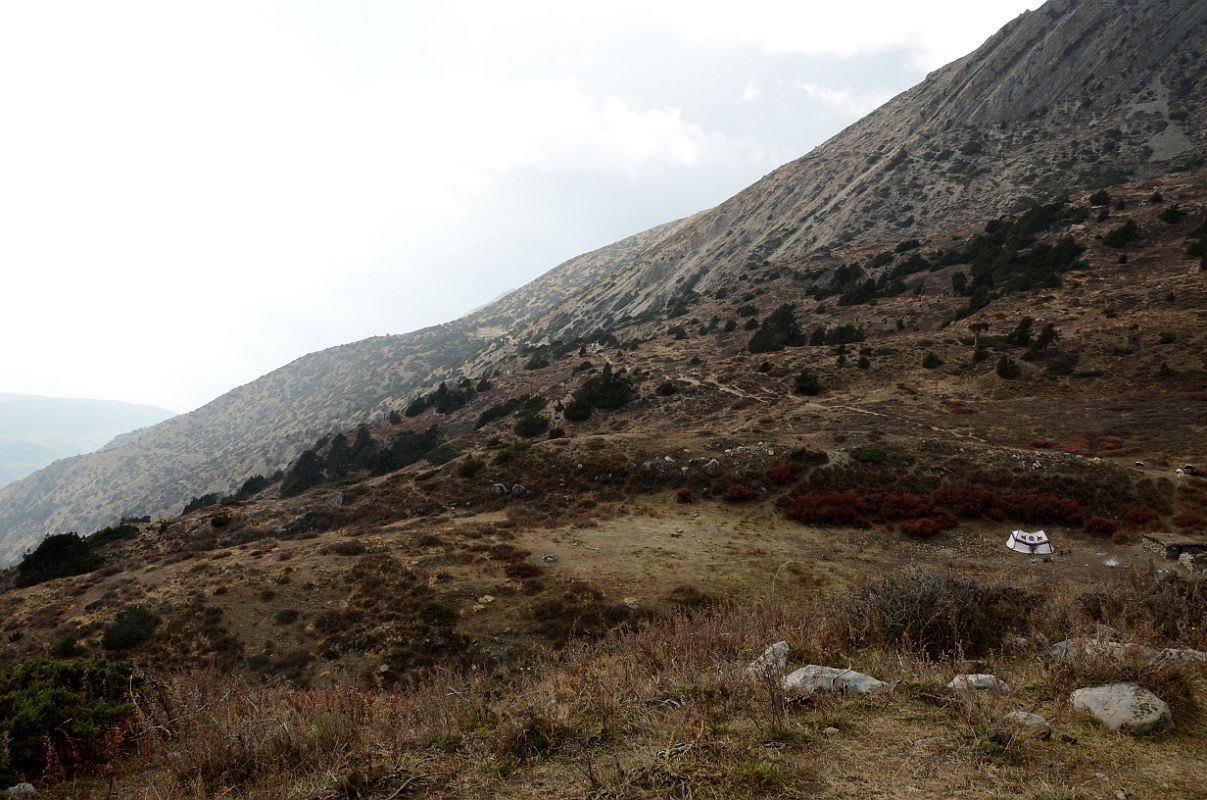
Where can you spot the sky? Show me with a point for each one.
(194, 194)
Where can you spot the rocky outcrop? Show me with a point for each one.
(814, 678)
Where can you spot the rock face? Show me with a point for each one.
(814, 678)
(1124, 707)
(772, 661)
(977, 682)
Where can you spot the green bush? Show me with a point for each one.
(931, 361)
(869, 455)
(531, 425)
(807, 384)
(71, 703)
(1122, 236)
(1006, 368)
(134, 625)
(778, 331)
(57, 556)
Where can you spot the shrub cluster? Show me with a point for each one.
(939, 511)
(778, 331)
(62, 710)
(333, 458)
(607, 390)
(937, 615)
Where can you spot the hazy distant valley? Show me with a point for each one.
(34, 431)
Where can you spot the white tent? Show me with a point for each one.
(1033, 544)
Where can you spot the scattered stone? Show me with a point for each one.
(831, 679)
(712, 466)
(1124, 707)
(23, 790)
(977, 682)
(1034, 723)
(1173, 655)
(519, 490)
(1095, 648)
(337, 500)
(831, 731)
(549, 558)
(772, 661)
(499, 488)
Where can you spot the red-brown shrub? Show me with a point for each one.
(1101, 526)
(965, 500)
(738, 493)
(1041, 443)
(926, 528)
(782, 473)
(828, 508)
(1076, 445)
(1048, 508)
(684, 494)
(892, 505)
(1187, 520)
(521, 570)
(507, 552)
(1140, 518)
(1109, 443)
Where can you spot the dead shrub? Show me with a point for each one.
(936, 615)
(521, 570)
(684, 494)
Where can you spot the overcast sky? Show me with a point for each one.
(193, 194)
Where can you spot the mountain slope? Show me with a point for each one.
(1080, 93)
(34, 431)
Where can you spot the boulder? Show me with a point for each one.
(1125, 707)
(23, 790)
(1026, 719)
(813, 678)
(977, 682)
(772, 661)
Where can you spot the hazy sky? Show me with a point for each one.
(193, 194)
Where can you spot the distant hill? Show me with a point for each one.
(36, 431)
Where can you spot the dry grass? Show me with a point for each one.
(664, 710)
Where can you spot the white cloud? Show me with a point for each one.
(841, 101)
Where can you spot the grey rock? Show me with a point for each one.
(518, 490)
(1174, 656)
(772, 661)
(549, 558)
(22, 790)
(712, 466)
(977, 682)
(1026, 719)
(814, 678)
(337, 500)
(1125, 707)
(831, 731)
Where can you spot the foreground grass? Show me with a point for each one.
(666, 711)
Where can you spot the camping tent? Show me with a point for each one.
(1034, 544)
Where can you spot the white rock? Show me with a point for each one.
(831, 679)
(1124, 707)
(977, 682)
(831, 731)
(772, 661)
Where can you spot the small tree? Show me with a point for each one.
(807, 383)
(1006, 368)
